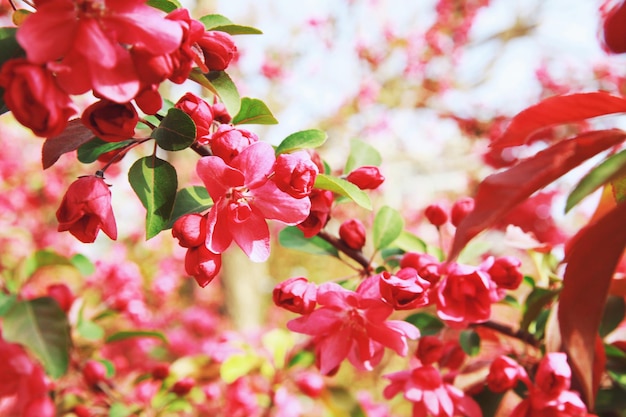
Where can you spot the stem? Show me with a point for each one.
(522, 335)
(13, 6)
(356, 255)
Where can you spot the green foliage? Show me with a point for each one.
(426, 322)
(470, 342)
(344, 188)
(47, 257)
(165, 5)
(90, 151)
(6, 302)
(614, 311)
(611, 168)
(303, 139)
(192, 199)
(238, 365)
(154, 181)
(42, 327)
(388, 225)
(123, 335)
(176, 132)
(221, 84)
(536, 301)
(361, 154)
(408, 242)
(254, 111)
(291, 237)
(223, 24)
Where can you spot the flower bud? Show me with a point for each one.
(200, 112)
(183, 386)
(429, 349)
(295, 294)
(218, 49)
(352, 233)
(505, 272)
(321, 203)
(190, 230)
(202, 264)
(94, 372)
(553, 374)
(452, 356)
(111, 121)
(504, 373)
(417, 260)
(461, 209)
(311, 384)
(161, 371)
(62, 295)
(436, 214)
(85, 208)
(220, 113)
(404, 290)
(366, 177)
(228, 141)
(295, 174)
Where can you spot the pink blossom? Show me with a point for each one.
(110, 121)
(244, 198)
(228, 141)
(404, 290)
(295, 173)
(553, 374)
(429, 349)
(463, 296)
(348, 325)
(202, 264)
(218, 49)
(366, 177)
(505, 272)
(200, 112)
(296, 294)
(90, 39)
(504, 373)
(321, 203)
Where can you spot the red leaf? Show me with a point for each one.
(499, 193)
(74, 135)
(591, 262)
(558, 110)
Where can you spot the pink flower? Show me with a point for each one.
(86, 208)
(190, 230)
(244, 198)
(463, 296)
(218, 49)
(186, 55)
(429, 349)
(404, 290)
(505, 272)
(321, 203)
(110, 121)
(32, 94)
(295, 173)
(425, 388)
(202, 264)
(91, 40)
(296, 294)
(199, 111)
(504, 373)
(553, 374)
(352, 232)
(366, 177)
(348, 325)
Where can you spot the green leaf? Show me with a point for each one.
(344, 188)
(361, 154)
(223, 24)
(614, 311)
(254, 111)
(6, 302)
(193, 199)
(534, 304)
(42, 327)
(303, 139)
(408, 242)
(427, 323)
(238, 365)
(488, 401)
(164, 5)
(154, 181)
(470, 342)
(83, 264)
(42, 258)
(388, 225)
(176, 132)
(221, 84)
(123, 335)
(610, 169)
(90, 151)
(291, 237)
(90, 330)
(9, 48)
(119, 410)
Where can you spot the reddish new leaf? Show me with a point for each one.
(74, 135)
(499, 193)
(591, 261)
(558, 110)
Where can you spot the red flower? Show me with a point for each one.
(615, 29)
(229, 141)
(505, 272)
(295, 173)
(366, 177)
(34, 98)
(429, 350)
(202, 264)
(436, 214)
(461, 209)
(504, 373)
(296, 294)
(404, 290)
(218, 49)
(463, 296)
(200, 112)
(190, 230)
(86, 208)
(321, 202)
(110, 121)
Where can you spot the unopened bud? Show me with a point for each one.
(436, 214)
(352, 232)
(461, 209)
(366, 177)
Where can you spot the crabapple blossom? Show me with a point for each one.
(183, 386)
(62, 294)
(404, 289)
(244, 198)
(347, 324)
(218, 49)
(504, 373)
(190, 230)
(32, 94)
(296, 294)
(202, 264)
(321, 203)
(505, 272)
(200, 112)
(228, 141)
(86, 208)
(111, 121)
(94, 372)
(295, 173)
(460, 209)
(366, 177)
(436, 214)
(429, 350)
(352, 232)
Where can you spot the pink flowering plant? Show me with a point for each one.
(426, 322)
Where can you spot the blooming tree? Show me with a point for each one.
(455, 330)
